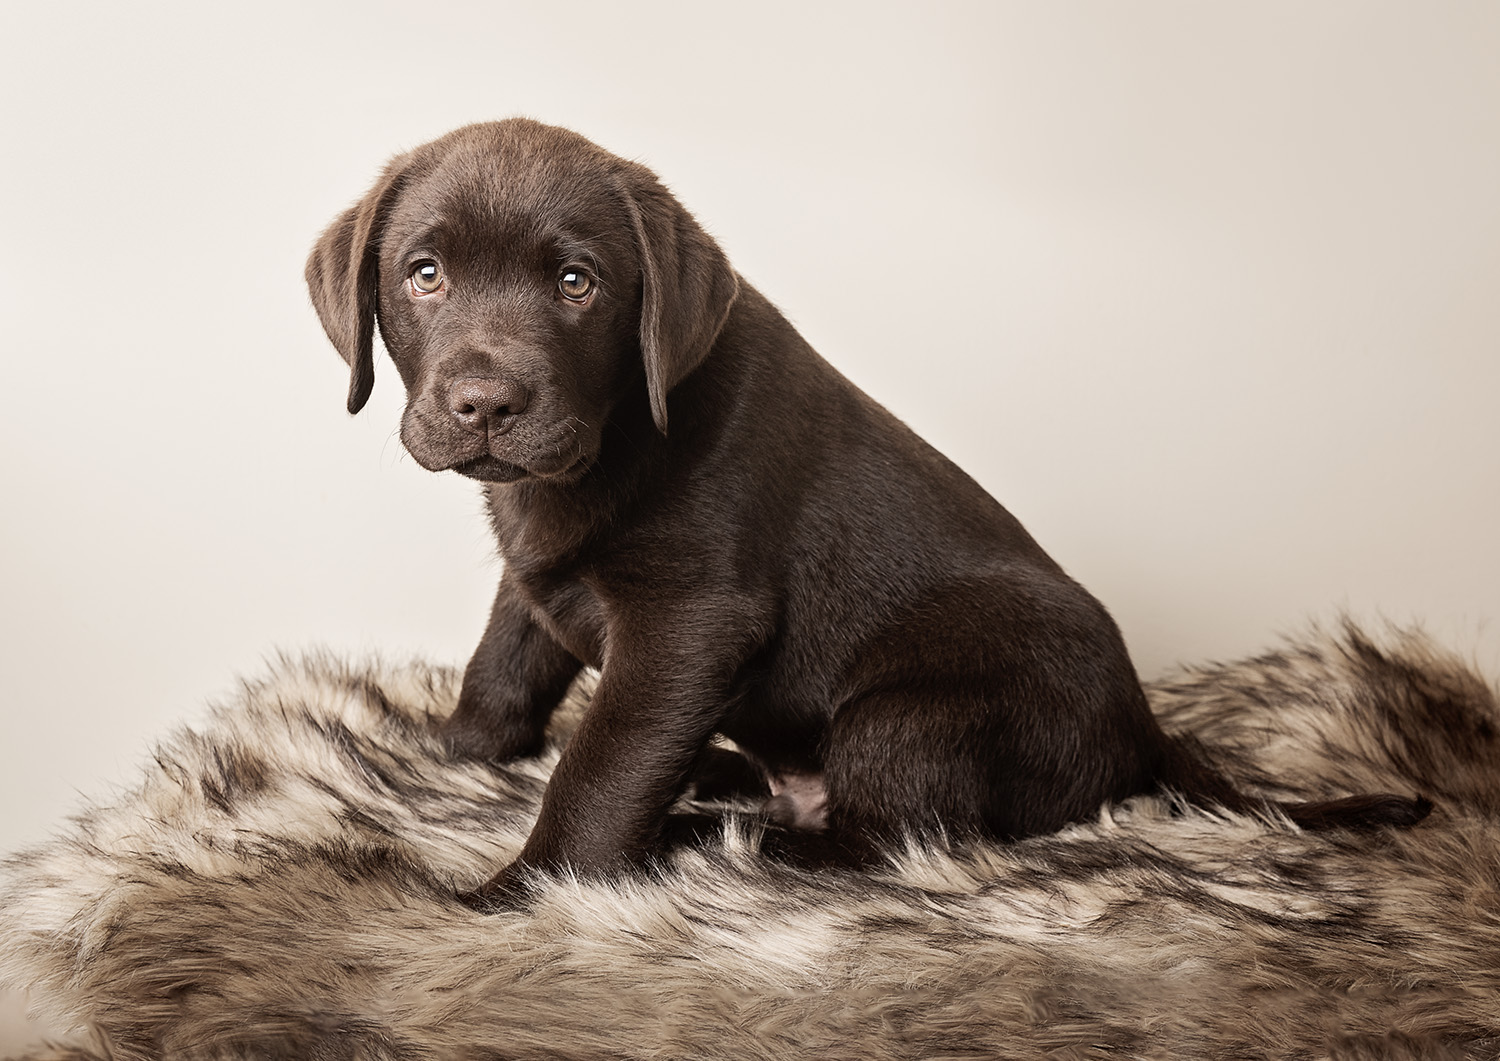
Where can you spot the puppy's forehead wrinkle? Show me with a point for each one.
(503, 199)
(573, 249)
(503, 242)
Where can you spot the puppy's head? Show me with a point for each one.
(525, 282)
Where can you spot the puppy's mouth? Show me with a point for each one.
(503, 458)
(489, 469)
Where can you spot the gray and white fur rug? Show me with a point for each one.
(281, 882)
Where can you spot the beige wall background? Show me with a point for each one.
(1208, 294)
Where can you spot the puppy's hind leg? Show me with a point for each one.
(996, 758)
(894, 770)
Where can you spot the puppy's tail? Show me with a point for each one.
(1188, 772)
(1359, 812)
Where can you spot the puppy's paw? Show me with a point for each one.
(690, 829)
(464, 739)
(507, 891)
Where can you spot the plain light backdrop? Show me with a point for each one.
(1208, 294)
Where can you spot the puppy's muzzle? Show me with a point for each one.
(485, 405)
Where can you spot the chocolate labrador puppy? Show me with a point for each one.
(688, 498)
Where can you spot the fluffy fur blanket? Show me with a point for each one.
(281, 885)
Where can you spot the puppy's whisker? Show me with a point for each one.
(385, 447)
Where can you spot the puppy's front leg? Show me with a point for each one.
(650, 717)
(514, 681)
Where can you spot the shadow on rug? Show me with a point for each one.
(281, 885)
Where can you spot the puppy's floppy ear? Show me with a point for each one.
(687, 287)
(343, 272)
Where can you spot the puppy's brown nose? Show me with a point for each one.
(482, 403)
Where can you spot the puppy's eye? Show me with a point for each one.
(575, 285)
(426, 277)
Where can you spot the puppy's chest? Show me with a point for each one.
(571, 613)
